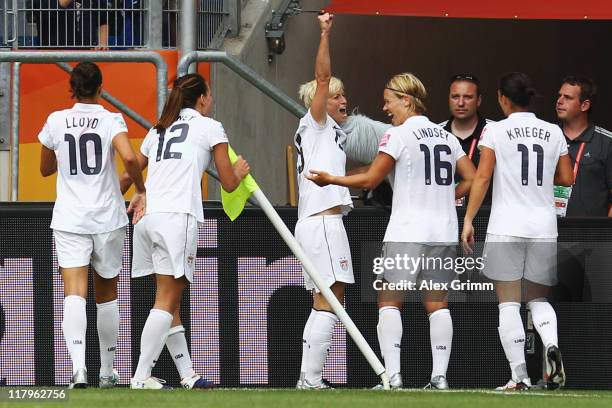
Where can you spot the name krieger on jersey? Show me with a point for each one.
(526, 132)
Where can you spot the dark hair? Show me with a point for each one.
(185, 93)
(588, 89)
(467, 78)
(518, 88)
(85, 80)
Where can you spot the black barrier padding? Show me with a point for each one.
(477, 359)
(288, 312)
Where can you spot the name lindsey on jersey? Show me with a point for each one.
(430, 132)
(524, 132)
(90, 123)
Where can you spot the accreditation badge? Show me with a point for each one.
(562, 196)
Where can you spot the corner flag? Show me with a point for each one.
(233, 203)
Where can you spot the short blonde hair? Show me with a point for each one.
(307, 90)
(406, 84)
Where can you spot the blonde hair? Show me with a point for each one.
(406, 84)
(307, 90)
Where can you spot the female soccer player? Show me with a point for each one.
(177, 150)
(319, 230)
(89, 216)
(525, 156)
(423, 220)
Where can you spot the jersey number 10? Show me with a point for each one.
(72, 153)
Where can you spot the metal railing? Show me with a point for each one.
(114, 24)
(246, 73)
(58, 56)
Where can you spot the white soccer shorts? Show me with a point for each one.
(103, 251)
(324, 240)
(507, 258)
(165, 244)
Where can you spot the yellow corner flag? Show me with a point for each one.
(233, 203)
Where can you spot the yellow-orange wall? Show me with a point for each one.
(45, 88)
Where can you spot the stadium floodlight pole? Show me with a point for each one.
(297, 250)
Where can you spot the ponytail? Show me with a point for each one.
(185, 93)
(172, 109)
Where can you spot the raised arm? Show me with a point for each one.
(318, 109)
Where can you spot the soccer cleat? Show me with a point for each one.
(395, 382)
(515, 386)
(437, 383)
(299, 385)
(196, 382)
(79, 379)
(555, 374)
(150, 383)
(109, 381)
(322, 385)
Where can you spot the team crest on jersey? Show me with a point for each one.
(344, 263)
(384, 140)
(190, 259)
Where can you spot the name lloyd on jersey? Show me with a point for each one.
(83, 122)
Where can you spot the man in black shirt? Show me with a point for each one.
(590, 146)
(71, 23)
(465, 123)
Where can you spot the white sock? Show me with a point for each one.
(74, 326)
(441, 336)
(305, 337)
(390, 331)
(108, 331)
(512, 336)
(177, 346)
(152, 341)
(319, 341)
(545, 321)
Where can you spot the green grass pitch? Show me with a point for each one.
(346, 398)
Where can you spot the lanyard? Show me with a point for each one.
(578, 158)
(472, 147)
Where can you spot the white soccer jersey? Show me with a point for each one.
(527, 150)
(423, 207)
(89, 200)
(178, 157)
(320, 148)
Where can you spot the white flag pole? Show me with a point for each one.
(353, 331)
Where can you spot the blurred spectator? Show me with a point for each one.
(125, 23)
(589, 146)
(71, 23)
(466, 123)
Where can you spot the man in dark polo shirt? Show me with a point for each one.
(466, 123)
(589, 145)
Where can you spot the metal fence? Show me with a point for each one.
(113, 24)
